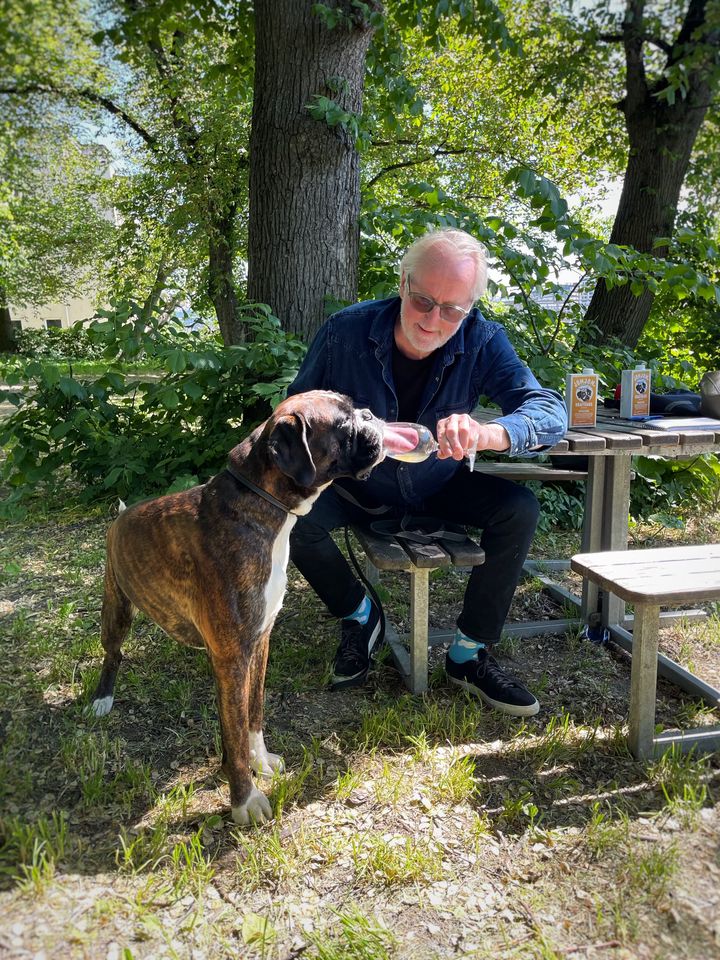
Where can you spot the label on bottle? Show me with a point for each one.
(635, 393)
(581, 399)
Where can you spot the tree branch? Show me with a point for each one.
(91, 96)
(414, 163)
(188, 135)
(565, 302)
(646, 38)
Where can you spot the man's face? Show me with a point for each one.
(447, 281)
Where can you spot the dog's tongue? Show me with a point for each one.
(399, 439)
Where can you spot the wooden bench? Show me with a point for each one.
(410, 651)
(650, 579)
(542, 472)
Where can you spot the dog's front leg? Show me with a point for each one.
(264, 764)
(247, 803)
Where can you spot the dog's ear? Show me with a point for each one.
(289, 450)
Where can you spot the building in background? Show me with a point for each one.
(53, 314)
(84, 305)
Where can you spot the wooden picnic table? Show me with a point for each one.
(609, 447)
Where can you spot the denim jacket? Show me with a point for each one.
(352, 354)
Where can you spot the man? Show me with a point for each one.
(427, 356)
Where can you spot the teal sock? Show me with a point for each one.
(463, 648)
(362, 613)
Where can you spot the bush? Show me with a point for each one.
(58, 344)
(131, 437)
(673, 490)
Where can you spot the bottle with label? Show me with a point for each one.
(635, 392)
(581, 398)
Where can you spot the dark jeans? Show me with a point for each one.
(506, 512)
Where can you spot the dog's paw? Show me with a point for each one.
(262, 763)
(266, 764)
(102, 706)
(256, 809)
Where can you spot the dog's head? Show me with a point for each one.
(318, 436)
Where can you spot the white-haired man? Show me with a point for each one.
(427, 356)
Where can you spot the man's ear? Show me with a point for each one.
(289, 450)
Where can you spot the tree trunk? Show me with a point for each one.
(304, 174)
(654, 177)
(221, 284)
(661, 138)
(153, 298)
(7, 333)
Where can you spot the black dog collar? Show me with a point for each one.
(258, 490)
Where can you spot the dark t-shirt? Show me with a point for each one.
(410, 377)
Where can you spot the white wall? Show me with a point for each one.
(79, 308)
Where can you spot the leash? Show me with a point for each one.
(259, 490)
(419, 530)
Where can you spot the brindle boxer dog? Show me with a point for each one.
(208, 565)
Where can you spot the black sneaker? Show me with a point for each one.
(485, 678)
(357, 643)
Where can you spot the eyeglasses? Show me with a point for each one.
(448, 311)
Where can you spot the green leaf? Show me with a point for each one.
(184, 482)
(169, 399)
(112, 478)
(51, 375)
(176, 360)
(258, 931)
(71, 388)
(193, 390)
(61, 430)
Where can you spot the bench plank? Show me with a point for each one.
(661, 576)
(528, 471)
(465, 554)
(385, 554)
(427, 556)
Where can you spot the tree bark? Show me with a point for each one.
(304, 175)
(153, 298)
(220, 277)
(661, 138)
(7, 334)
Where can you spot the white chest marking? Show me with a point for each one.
(275, 587)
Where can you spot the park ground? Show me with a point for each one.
(405, 827)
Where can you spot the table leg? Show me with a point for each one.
(592, 529)
(419, 591)
(643, 680)
(616, 510)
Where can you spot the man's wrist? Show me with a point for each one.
(498, 438)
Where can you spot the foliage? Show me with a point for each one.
(684, 335)
(673, 489)
(561, 506)
(58, 344)
(132, 437)
(54, 231)
(499, 111)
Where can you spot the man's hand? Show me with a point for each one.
(459, 435)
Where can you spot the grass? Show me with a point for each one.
(405, 827)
